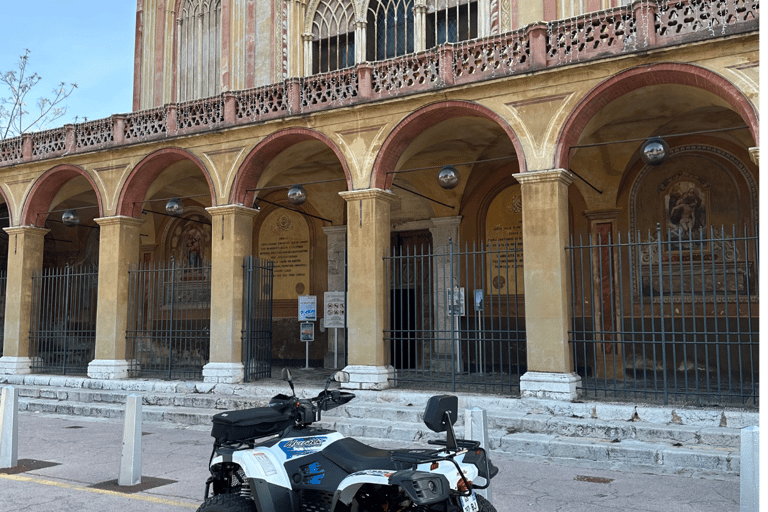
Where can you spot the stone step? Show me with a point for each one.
(654, 438)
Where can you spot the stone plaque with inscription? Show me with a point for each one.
(284, 239)
(504, 239)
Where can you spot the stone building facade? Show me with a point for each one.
(541, 106)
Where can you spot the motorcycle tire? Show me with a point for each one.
(484, 504)
(227, 503)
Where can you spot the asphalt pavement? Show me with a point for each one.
(71, 464)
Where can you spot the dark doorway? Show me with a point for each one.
(409, 299)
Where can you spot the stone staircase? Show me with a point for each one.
(702, 442)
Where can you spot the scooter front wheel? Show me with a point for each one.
(227, 503)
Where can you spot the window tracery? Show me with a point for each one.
(333, 36)
(199, 48)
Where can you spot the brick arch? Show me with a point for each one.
(265, 151)
(135, 188)
(647, 76)
(400, 138)
(45, 188)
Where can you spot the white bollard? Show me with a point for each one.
(130, 460)
(476, 429)
(9, 428)
(750, 469)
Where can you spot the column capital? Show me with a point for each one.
(544, 176)
(231, 209)
(334, 230)
(446, 221)
(754, 154)
(26, 230)
(603, 214)
(367, 194)
(119, 220)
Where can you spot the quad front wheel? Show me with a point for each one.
(484, 504)
(227, 503)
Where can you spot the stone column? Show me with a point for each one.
(368, 214)
(419, 27)
(442, 358)
(119, 248)
(547, 306)
(608, 355)
(231, 242)
(25, 256)
(337, 250)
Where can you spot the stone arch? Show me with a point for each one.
(401, 136)
(265, 151)
(646, 76)
(45, 188)
(144, 173)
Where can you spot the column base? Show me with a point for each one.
(224, 373)
(553, 386)
(16, 365)
(109, 369)
(369, 377)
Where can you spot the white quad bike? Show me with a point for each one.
(271, 459)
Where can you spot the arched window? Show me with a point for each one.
(450, 22)
(390, 29)
(333, 36)
(199, 48)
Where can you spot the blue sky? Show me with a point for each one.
(88, 42)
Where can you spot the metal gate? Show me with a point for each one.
(456, 318)
(63, 323)
(257, 318)
(168, 333)
(667, 316)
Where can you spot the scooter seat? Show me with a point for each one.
(353, 456)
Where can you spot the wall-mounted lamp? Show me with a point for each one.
(297, 195)
(174, 206)
(70, 218)
(654, 151)
(448, 177)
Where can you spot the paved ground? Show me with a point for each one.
(83, 456)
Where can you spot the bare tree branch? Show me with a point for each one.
(13, 108)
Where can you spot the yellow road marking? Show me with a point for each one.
(64, 485)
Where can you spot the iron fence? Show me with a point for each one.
(257, 318)
(3, 281)
(63, 322)
(456, 318)
(669, 316)
(168, 333)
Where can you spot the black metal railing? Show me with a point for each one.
(456, 318)
(63, 322)
(3, 281)
(257, 318)
(667, 317)
(168, 334)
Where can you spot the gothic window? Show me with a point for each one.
(199, 47)
(450, 22)
(333, 36)
(390, 29)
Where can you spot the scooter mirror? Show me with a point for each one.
(341, 377)
(287, 375)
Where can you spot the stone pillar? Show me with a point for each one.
(368, 214)
(231, 242)
(361, 28)
(442, 358)
(547, 306)
(419, 27)
(25, 256)
(608, 356)
(118, 251)
(337, 250)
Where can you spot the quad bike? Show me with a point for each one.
(271, 459)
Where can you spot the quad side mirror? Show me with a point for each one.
(341, 376)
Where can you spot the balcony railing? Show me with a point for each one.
(641, 26)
